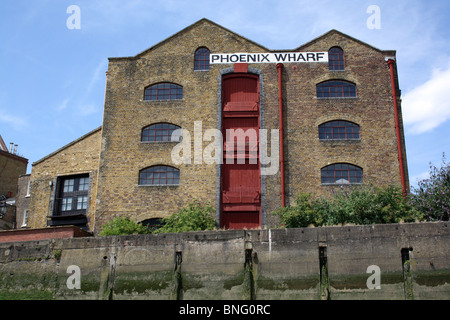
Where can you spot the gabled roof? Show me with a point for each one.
(187, 29)
(207, 21)
(67, 145)
(2, 144)
(334, 31)
(4, 152)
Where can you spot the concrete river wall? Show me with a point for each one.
(395, 261)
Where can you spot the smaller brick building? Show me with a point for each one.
(11, 167)
(23, 201)
(64, 184)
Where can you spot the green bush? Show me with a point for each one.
(122, 226)
(368, 204)
(302, 214)
(432, 196)
(193, 217)
(362, 204)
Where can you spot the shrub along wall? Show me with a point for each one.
(411, 261)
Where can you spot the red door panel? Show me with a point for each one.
(241, 137)
(241, 220)
(240, 177)
(241, 174)
(240, 88)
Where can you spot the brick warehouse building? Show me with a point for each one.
(331, 108)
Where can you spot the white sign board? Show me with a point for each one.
(281, 57)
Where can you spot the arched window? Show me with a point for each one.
(159, 132)
(338, 130)
(159, 175)
(341, 173)
(201, 60)
(336, 89)
(163, 91)
(153, 223)
(336, 59)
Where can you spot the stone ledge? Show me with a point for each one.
(19, 235)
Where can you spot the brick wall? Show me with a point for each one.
(373, 109)
(80, 156)
(36, 234)
(126, 113)
(172, 60)
(22, 200)
(11, 167)
(119, 155)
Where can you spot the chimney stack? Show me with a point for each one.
(11, 147)
(15, 148)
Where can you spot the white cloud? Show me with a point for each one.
(415, 179)
(17, 123)
(86, 109)
(96, 75)
(428, 105)
(420, 176)
(63, 105)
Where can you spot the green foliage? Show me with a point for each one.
(122, 226)
(368, 204)
(57, 254)
(302, 214)
(362, 204)
(193, 217)
(432, 197)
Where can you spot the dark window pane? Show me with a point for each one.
(336, 89)
(159, 175)
(159, 132)
(336, 59)
(83, 184)
(201, 61)
(69, 185)
(163, 91)
(341, 173)
(339, 129)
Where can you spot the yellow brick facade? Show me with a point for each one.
(114, 155)
(79, 157)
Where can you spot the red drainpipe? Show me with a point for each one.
(280, 99)
(391, 62)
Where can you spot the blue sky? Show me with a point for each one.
(52, 78)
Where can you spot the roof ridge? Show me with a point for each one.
(2, 144)
(67, 145)
(191, 26)
(342, 34)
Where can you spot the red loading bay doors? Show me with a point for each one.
(240, 178)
